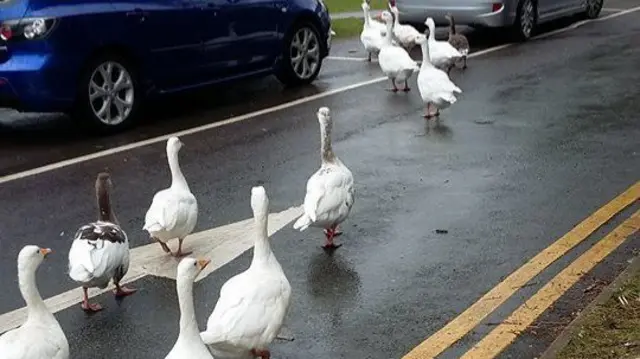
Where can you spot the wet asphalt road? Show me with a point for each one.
(544, 134)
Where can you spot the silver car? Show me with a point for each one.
(521, 16)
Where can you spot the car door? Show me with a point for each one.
(552, 8)
(217, 39)
(247, 32)
(170, 33)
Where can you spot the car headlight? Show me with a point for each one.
(28, 28)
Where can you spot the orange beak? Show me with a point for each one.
(45, 251)
(378, 17)
(202, 263)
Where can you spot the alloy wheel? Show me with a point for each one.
(593, 7)
(527, 18)
(305, 53)
(111, 93)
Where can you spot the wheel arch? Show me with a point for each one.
(310, 17)
(519, 6)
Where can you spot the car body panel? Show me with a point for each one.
(479, 13)
(12, 9)
(170, 32)
(173, 44)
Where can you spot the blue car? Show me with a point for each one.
(98, 60)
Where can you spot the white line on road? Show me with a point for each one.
(133, 145)
(221, 245)
(348, 58)
(611, 9)
(361, 59)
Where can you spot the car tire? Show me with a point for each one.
(309, 54)
(526, 20)
(108, 104)
(592, 8)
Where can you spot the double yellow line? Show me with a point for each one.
(504, 334)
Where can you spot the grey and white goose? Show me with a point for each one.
(100, 250)
(458, 41)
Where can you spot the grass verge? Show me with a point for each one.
(336, 6)
(612, 330)
(346, 28)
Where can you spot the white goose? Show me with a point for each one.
(434, 85)
(253, 304)
(189, 345)
(443, 54)
(371, 36)
(100, 250)
(378, 25)
(330, 192)
(174, 211)
(41, 335)
(406, 34)
(394, 61)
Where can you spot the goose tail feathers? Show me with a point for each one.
(302, 223)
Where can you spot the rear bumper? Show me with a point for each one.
(30, 83)
(472, 15)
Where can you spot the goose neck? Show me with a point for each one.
(367, 20)
(452, 26)
(426, 56)
(262, 249)
(105, 210)
(389, 33)
(326, 148)
(188, 323)
(30, 293)
(177, 178)
(432, 33)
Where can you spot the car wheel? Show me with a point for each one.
(592, 8)
(108, 95)
(302, 56)
(526, 20)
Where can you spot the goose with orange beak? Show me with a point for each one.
(41, 335)
(189, 344)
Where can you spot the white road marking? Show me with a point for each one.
(348, 58)
(623, 12)
(360, 59)
(221, 245)
(133, 145)
(611, 9)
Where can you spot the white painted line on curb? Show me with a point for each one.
(130, 146)
(221, 245)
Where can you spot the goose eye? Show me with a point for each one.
(195, 264)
